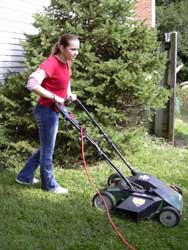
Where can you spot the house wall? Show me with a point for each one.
(145, 10)
(15, 20)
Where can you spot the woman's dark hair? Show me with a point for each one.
(63, 40)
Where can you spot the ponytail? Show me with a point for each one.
(55, 49)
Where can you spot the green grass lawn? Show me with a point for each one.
(32, 219)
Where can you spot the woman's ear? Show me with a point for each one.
(61, 48)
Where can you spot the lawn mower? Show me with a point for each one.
(140, 195)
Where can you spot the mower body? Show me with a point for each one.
(156, 187)
(149, 201)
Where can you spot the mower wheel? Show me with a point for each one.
(113, 179)
(116, 180)
(169, 216)
(109, 199)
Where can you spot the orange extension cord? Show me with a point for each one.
(100, 195)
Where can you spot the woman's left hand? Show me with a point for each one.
(72, 97)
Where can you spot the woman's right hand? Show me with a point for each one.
(58, 99)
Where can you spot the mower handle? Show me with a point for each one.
(133, 171)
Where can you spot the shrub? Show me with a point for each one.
(116, 75)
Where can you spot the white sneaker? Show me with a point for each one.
(59, 190)
(35, 181)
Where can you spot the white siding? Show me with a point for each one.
(153, 13)
(16, 18)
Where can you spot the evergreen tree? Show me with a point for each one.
(118, 71)
(120, 65)
(165, 2)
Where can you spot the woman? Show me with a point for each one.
(51, 81)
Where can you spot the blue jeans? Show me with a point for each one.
(47, 120)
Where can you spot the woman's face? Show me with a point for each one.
(71, 51)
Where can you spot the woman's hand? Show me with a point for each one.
(58, 99)
(72, 97)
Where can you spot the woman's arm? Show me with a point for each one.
(34, 84)
(70, 95)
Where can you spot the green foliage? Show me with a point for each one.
(182, 103)
(165, 2)
(172, 16)
(16, 108)
(120, 65)
(16, 121)
(116, 74)
(181, 129)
